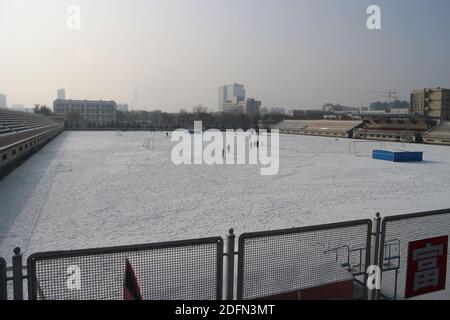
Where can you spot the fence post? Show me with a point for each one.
(3, 280)
(376, 226)
(230, 265)
(17, 274)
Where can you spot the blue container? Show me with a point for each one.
(397, 156)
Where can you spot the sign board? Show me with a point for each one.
(427, 266)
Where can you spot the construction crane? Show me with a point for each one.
(388, 94)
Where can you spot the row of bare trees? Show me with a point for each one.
(159, 120)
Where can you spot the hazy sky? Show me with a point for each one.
(291, 53)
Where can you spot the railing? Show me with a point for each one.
(305, 262)
(319, 262)
(184, 270)
(3, 283)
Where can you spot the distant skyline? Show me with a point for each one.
(177, 53)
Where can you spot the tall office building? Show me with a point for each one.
(3, 104)
(61, 94)
(432, 103)
(231, 94)
(222, 97)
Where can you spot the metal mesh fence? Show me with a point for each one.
(320, 262)
(167, 271)
(401, 236)
(3, 284)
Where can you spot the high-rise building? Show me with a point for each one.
(252, 107)
(222, 97)
(3, 104)
(231, 94)
(432, 103)
(95, 113)
(61, 94)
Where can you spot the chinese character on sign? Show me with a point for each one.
(427, 266)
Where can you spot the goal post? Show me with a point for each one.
(149, 143)
(364, 148)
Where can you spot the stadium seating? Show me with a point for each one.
(17, 126)
(21, 134)
(439, 134)
(331, 128)
(392, 127)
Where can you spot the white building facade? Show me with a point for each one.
(95, 113)
(231, 94)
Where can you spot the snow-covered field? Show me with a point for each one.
(91, 189)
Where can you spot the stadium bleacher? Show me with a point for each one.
(331, 128)
(21, 133)
(383, 127)
(393, 127)
(439, 134)
(16, 126)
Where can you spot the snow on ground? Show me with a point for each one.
(94, 189)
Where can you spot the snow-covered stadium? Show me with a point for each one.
(94, 189)
(197, 151)
(90, 189)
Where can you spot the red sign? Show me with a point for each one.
(427, 266)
